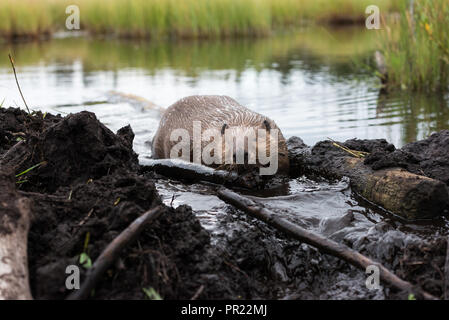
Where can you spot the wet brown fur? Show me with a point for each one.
(219, 112)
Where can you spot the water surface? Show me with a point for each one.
(314, 83)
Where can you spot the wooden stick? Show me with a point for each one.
(198, 292)
(17, 82)
(323, 244)
(192, 172)
(112, 252)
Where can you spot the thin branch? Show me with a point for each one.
(324, 244)
(198, 292)
(112, 252)
(17, 82)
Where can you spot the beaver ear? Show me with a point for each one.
(267, 125)
(225, 126)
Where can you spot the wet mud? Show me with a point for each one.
(86, 186)
(429, 157)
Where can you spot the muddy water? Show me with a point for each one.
(314, 84)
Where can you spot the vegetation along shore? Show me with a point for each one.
(188, 18)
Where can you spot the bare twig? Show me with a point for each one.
(198, 292)
(112, 252)
(86, 217)
(17, 82)
(325, 245)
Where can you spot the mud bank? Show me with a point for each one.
(86, 186)
(410, 182)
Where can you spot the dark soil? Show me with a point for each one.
(89, 187)
(298, 153)
(414, 264)
(429, 157)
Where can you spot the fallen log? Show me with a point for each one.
(14, 225)
(406, 194)
(192, 172)
(403, 193)
(323, 244)
(112, 252)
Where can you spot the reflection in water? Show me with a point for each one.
(313, 83)
(418, 115)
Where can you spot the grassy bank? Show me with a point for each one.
(183, 18)
(417, 56)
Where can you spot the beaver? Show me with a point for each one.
(219, 132)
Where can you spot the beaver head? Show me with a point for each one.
(247, 147)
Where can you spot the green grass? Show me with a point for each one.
(181, 18)
(416, 47)
(191, 57)
(29, 17)
(334, 11)
(151, 294)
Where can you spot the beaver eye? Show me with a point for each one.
(267, 125)
(225, 126)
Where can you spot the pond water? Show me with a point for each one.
(315, 83)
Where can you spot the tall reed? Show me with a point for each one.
(416, 48)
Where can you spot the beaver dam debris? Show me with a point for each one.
(90, 197)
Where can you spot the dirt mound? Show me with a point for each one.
(297, 154)
(172, 256)
(325, 153)
(86, 193)
(75, 149)
(15, 124)
(429, 157)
